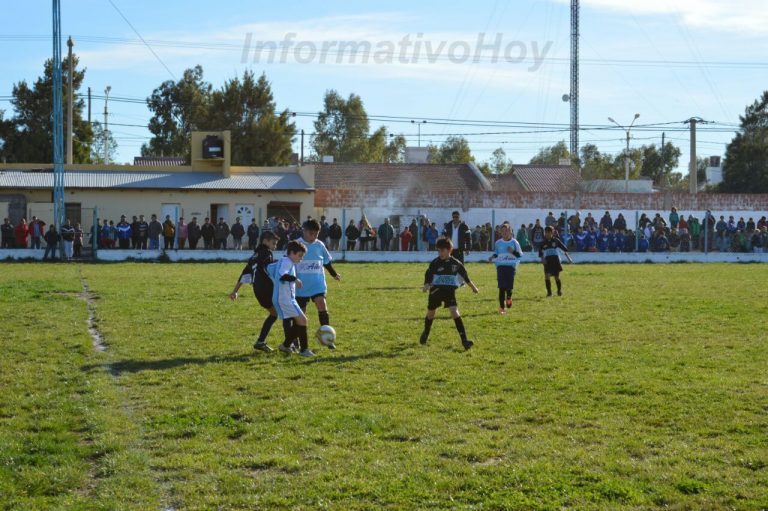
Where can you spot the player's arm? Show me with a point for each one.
(464, 275)
(428, 276)
(332, 271)
(516, 250)
(565, 251)
(245, 278)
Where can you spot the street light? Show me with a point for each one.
(418, 125)
(106, 125)
(626, 155)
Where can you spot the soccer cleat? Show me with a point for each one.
(285, 349)
(509, 303)
(331, 346)
(295, 346)
(423, 339)
(549, 295)
(263, 346)
(467, 344)
(502, 310)
(306, 353)
(559, 293)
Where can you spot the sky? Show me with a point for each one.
(492, 71)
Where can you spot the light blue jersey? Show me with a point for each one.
(284, 292)
(503, 252)
(311, 270)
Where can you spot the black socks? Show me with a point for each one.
(323, 317)
(460, 328)
(268, 322)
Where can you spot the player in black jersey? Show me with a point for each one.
(255, 273)
(441, 280)
(549, 251)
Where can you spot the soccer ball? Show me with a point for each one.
(326, 335)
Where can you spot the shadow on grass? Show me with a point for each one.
(333, 359)
(136, 366)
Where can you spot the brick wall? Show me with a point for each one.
(348, 198)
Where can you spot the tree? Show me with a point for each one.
(6, 128)
(499, 163)
(745, 168)
(246, 107)
(551, 155)
(394, 151)
(29, 134)
(659, 164)
(99, 143)
(178, 109)
(597, 165)
(455, 149)
(342, 131)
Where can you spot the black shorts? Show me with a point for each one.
(263, 291)
(552, 266)
(441, 295)
(304, 300)
(505, 276)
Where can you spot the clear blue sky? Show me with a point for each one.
(665, 59)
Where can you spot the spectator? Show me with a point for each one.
(537, 236)
(757, 242)
(560, 224)
(414, 228)
(612, 240)
(739, 242)
(432, 235)
(22, 233)
(104, 241)
(522, 238)
(253, 235)
(685, 238)
(660, 243)
(620, 224)
(642, 244)
(207, 231)
(135, 232)
(458, 232)
(485, 237)
(602, 241)
(695, 229)
(476, 238)
(183, 230)
(549, 221)
(386, 234)
(334, 234)
(194, 233)
(643, 221)
(366, 232)
(220, 234)
(683, 224)
(36, 231)
(629, 241)
(6, 231)
(606, 222)
(750, 225)
(353, 233)
(155, 231)
(52, 239)
(674, 239)
(405, 239)
(237, 231)
(574, 222)
(324, 230)
(590, 244)
(77, 246)
(741, 225)
(68, 236)
(124, 233)
(674, 219)
(581, 240)
(169, 233)
(620, 240)
(143, 229)
(589, 222)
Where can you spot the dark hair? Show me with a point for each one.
(549, 229)
(294, 247)
(268, 235)
(444, 243)
(454, 213)
(312, 225)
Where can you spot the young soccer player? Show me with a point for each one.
(441, 280)
(255, 273)
(506, 252)
(549, 252)
(311, 272)
(283, 274)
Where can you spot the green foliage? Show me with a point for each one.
(560, 404)
(745, 168)
(178, 109)
(99, 143)
(499, 163)
(551, 155)
(597, 165)
(659, 164)
(28, 135)
(342, 130)
(455, 149)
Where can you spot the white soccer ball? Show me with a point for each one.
(326, 335)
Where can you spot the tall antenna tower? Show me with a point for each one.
(58, 123)
(574, 95)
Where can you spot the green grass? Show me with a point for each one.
(644, 387)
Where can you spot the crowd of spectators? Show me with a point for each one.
(673, 232)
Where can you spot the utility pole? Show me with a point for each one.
(693, 175)
(666, 178)
(89, 105)
(301, 158)
(626, 156)
(418, 125)
(573, 97)
(106, 126)
(70, 100)
(59, 207)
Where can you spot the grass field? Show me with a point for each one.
(644, 387)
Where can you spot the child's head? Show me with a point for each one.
(295, 251)
(549, 232)
(506, 230)
(444, 247)
(269, 239)
(311, 229)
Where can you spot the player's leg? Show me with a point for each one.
(548, 283)
(261, 341)
(300, 326)
(559, 284)
(460, 326)
(510, 287)
(430, 317)
(322, 309)
(501, 300)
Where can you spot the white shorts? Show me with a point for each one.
(287, 308)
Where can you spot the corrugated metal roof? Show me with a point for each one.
(393, 176)
(547, 178)
(155, 180)
(157, 161)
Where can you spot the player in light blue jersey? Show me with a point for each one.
(507, 254)
(311, 271)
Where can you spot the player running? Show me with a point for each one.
(549, 252)
(507, 254)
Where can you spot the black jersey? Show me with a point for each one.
(550, 249)
(255, 271)
(446, 273)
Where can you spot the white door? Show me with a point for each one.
(245, 212)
